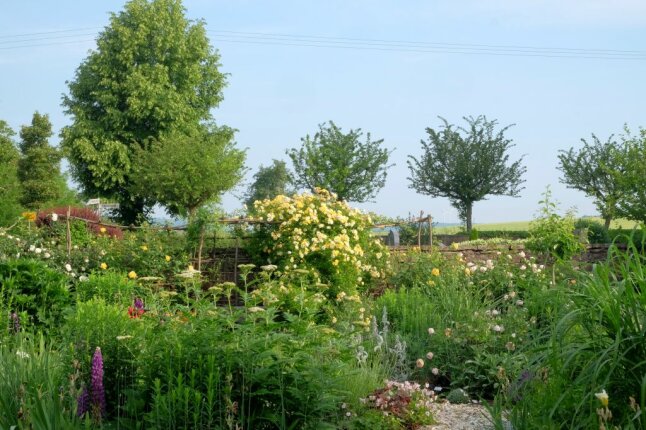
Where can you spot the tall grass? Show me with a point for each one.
(36, 390)
(597, 343)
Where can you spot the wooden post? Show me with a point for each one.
(235, 263)
(419, 230)
(199, 250)
(68, 234)
(430, 231)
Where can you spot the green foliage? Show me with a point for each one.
(481, 315)
(597, 169)
(38, 293)
(633, 206)
(153, 76)
(458, 396)
(243, 367)
(185, 171)
(466, 165)
(596, 344)
(39, 166)
(551, 234)
(10, 190)
(97, 323)
(596, 232)
(269, 182)
(36, 389)
(340, 163)
(474, 234)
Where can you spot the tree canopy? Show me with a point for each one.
(633, 203)
(153, 75)
(10, 189)
(269, 182)
(185, 171)
(341, 163)
(597, 169)
(39, 165)
(466, 165)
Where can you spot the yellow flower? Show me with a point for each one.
(467, 271)
(603, 398)
(435, 271)
(455, 246)
(167, 258)
(102, 230)
(132, 274)
(144, 248)
(103, 266)
(29, 216)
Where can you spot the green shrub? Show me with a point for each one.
(243, 368)
(552, 235)
(596, 345)
(110, 286)
(319, 233)
(34, 290)
(595, 230)
(38, 389)
(108, 326)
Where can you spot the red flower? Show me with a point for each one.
(134, 312)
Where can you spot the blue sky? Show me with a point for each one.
(277, 94)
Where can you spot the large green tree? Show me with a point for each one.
(10, 190)
(39, 166)
(269, 182)
(153, 75)
(597, 169)
(341, 163)
(633, 181)
(466, 164)
(185, 171)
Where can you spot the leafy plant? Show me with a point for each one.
(551, 234)
(591, 360)
(34, 290)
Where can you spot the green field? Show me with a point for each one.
(524, 225)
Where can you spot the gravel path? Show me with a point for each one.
(460, 417)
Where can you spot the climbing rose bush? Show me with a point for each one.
(317, 232)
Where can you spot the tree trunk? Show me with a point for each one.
(606, 223)
(469, 212)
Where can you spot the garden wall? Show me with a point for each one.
(221, 264)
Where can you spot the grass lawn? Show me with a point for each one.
(523, 226)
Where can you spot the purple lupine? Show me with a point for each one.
(98, 392)
(83, 403)
(139, 304)
(15, 320)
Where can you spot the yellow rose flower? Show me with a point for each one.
(102, 230)
(103, 266)
(435, 271)
(132, 274)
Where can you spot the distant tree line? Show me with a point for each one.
(142, 133)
